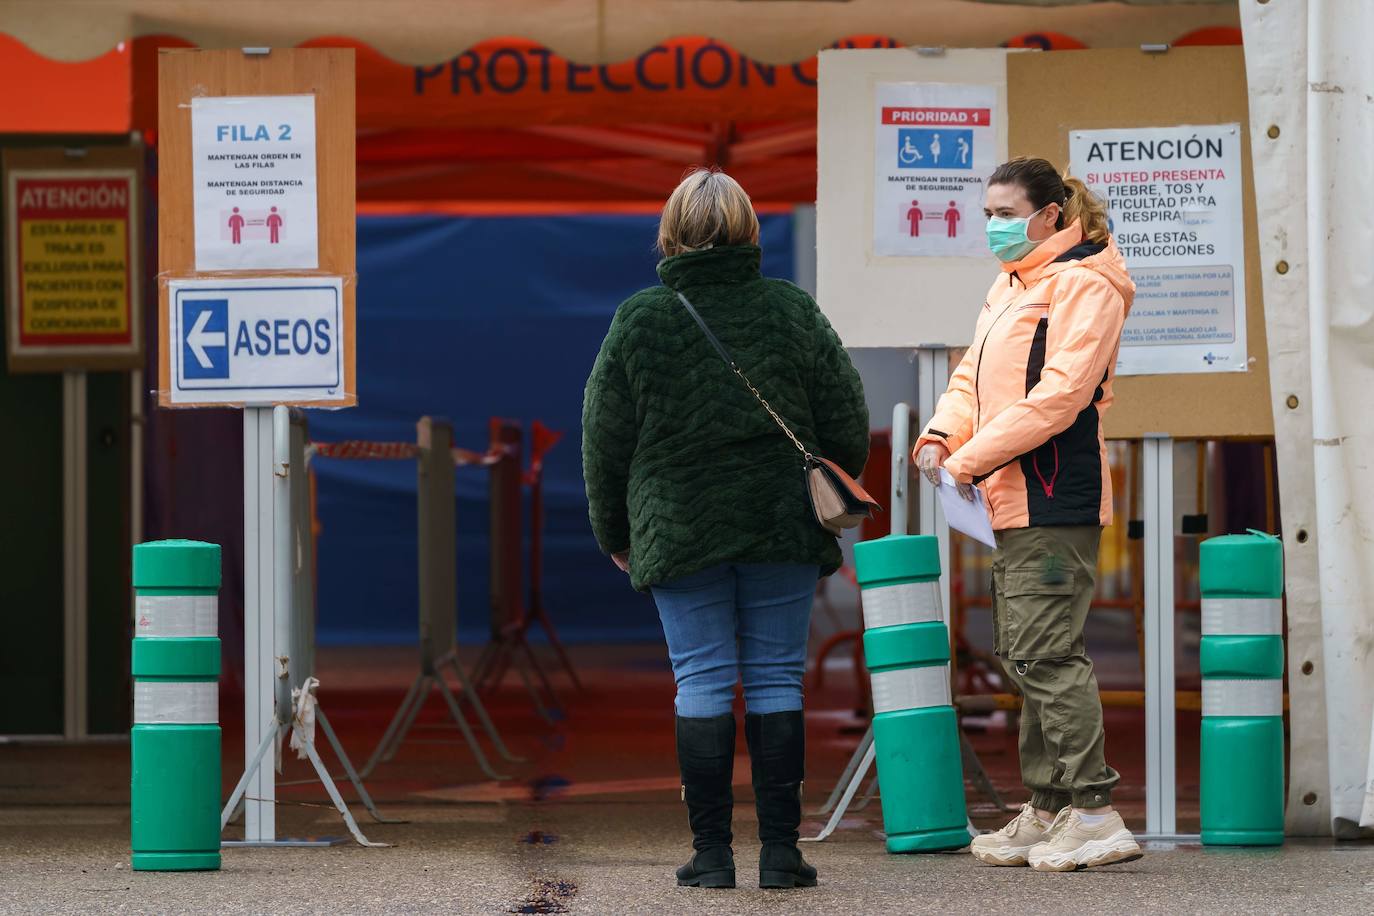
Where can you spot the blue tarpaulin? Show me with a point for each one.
(468, 318)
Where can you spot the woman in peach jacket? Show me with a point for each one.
(1022, 420)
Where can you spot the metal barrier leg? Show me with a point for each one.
(485, 665)
(348, 768)
(336, 798)
(848, 773)
(542, 674)
(870, 793)
(272, 732)
(973, 769)
(426, 681)
(466, 730)
(848, 796)
(402, 712)
(236, 813)
(539, 706)
(450, 660)
(542, 616)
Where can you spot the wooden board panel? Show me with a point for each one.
(1048, 96)
(875, 301)
(326, 73)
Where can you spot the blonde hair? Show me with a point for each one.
(1086, 207)
(1044, 185)
(707, 208)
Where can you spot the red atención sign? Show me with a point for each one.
(72, 260)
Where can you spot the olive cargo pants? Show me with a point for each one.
(1043, 580)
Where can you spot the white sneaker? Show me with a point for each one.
(1010, 845)
(1071, 844)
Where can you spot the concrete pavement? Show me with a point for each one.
(591, 824)
(615, 855)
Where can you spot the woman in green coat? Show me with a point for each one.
(701, 498)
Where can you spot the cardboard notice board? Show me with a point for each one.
(73, 225)
(874, 300)
(1051, 94)
(327, 74)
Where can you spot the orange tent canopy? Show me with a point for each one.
(509, 119)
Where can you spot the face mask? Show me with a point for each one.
(1007, 237)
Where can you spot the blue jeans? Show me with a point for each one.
(747, 619)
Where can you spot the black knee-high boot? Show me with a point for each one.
(777, 750)
(706, 757)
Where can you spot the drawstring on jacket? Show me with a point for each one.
(1047, 485)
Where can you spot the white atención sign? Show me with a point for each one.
(1174, 198)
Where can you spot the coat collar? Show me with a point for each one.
(1032, 266)
(722, 264)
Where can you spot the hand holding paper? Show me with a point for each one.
(966, 516)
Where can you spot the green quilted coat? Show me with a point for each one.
(683, 467)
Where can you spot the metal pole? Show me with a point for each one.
(301, 549)
(259, 724)
(283, 559)
(932, 376)
(901, 468)
(269, 590)
(1160, 763)
(74, 554)
(137, 420)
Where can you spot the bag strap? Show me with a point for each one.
(729, 361)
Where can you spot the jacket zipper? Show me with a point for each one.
(1047, 487)
(978, 367)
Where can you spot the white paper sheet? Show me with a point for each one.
(1174, 205)
(934, 145)
(965, 516)
(253, 167)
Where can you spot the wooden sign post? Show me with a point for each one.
(256, 252)
(73, 298)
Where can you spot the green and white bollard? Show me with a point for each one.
(1242, 690)
(175, 782)
(906, 646)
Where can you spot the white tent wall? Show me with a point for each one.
(1311, 98)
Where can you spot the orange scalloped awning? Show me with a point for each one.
(590, 32)
(48, 96)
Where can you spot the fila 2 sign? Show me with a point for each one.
(254, 342)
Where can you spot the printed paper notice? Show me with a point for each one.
(254, 174)
(72, 276)
(1174, 198)
(934, 147)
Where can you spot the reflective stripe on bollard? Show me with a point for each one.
(906, 648)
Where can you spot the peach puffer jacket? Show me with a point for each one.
(1022, 416)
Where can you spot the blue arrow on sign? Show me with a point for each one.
(205, 346)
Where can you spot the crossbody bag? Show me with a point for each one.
(837, 500)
